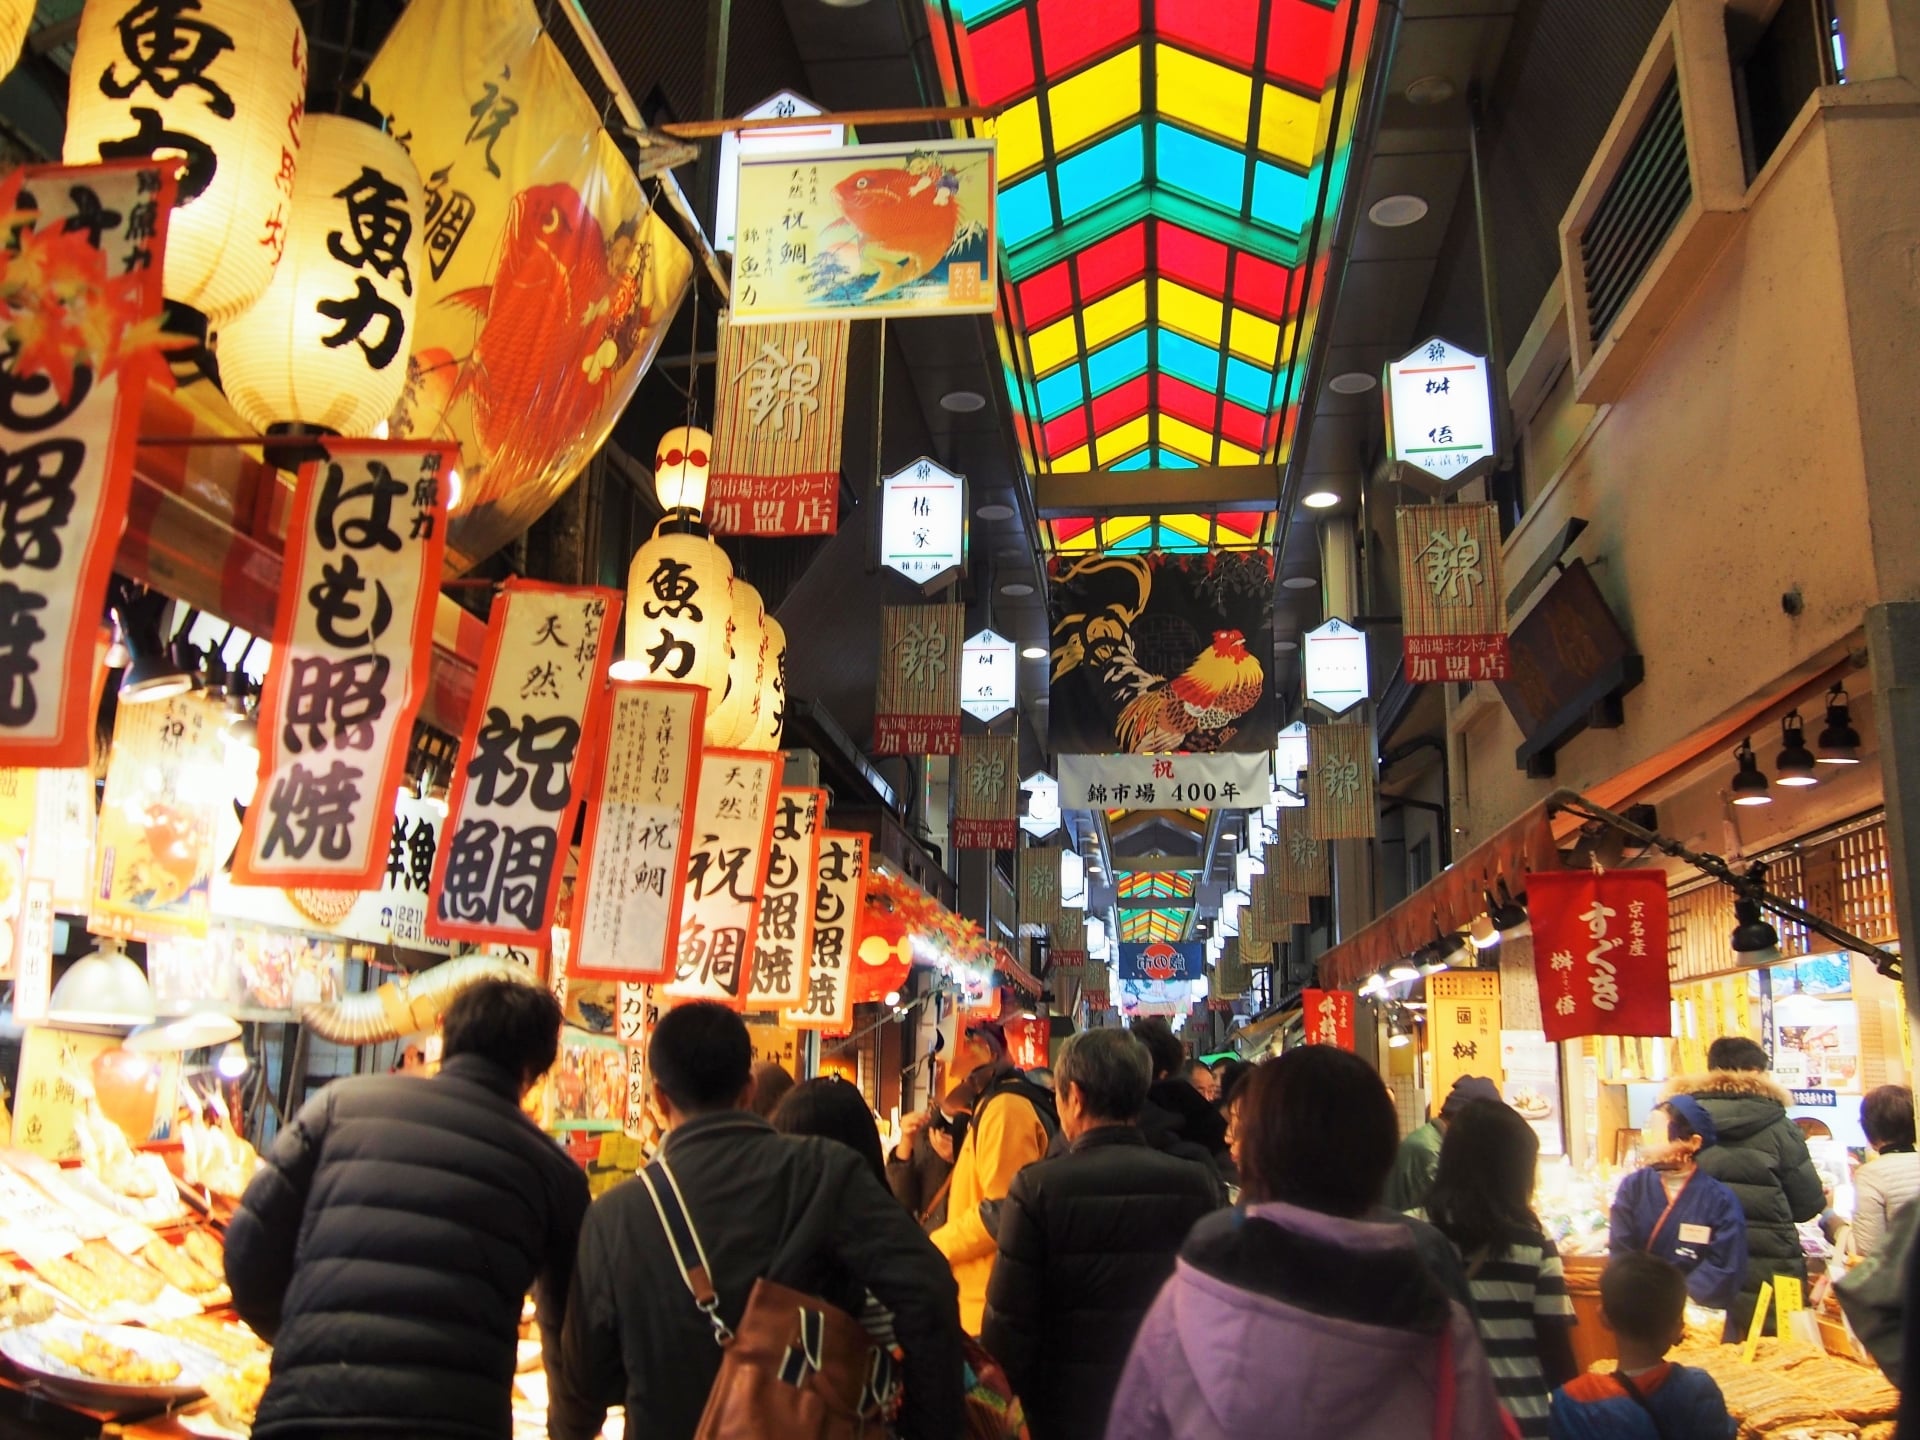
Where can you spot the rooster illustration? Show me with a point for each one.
(1195, 710)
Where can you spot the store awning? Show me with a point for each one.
(1447, 903)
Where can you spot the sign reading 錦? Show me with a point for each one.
(986, 796)
(1302, 857)
(987, 665)
(1328, 1015)
(1274, 910)
(1227, 780)
(515, 790)
(1600, 952)
(1451, 593)
(1038, 897)
(730, 839)
(760, 143)
(1334, 661)
(783, 949)
(1164, 960)
(1440, 416)
(776, 433)
(917, 709)
(866, 231)
(923, 523)
(352, 644)
(626, 897)
(837, 900)
(1340, 785)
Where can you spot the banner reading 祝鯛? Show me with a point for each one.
(783, 949)
(986, 803)
(782, 392)
(837, 900)
(1452, 593)
(917, 709)
(730, 837)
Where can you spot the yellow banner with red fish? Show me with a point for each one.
(548, 282)
(866, 231)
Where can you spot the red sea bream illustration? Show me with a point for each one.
(907, 221)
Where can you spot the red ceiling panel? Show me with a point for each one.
(1047, 296)
(1193, 259)
(1261, 286)
(1119, 405)
(1076, 30)
(1115, 261)
(1298, 36)
(1002, 58)
(1224, 28)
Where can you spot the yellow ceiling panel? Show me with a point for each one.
(1190, 440)
(1120, 442)
(1194, 527)
(1254, 338)
(1288, 125)
(1203, 94)
(1053, 346)
(1018, 130)
(1190, 312)
(1114, 316)
(1074, 460)
(1093, 101)
(1232, 454)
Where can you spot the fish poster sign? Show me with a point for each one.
(1161, 654)
(866, 231)
(548, 281)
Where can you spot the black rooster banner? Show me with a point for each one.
(1162, 653)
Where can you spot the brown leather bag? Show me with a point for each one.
(796, 1368)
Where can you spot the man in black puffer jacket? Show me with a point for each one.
(392, 1234)
(1086, 1241)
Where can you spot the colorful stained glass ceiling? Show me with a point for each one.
(1173, 534)
(1139, 887)
(1140, 927)
(1164, 169)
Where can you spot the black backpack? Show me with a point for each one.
(1044, 1105)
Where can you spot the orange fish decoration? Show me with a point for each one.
(907, 222)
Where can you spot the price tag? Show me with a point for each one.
(1752, 1347)
(1789, 1299)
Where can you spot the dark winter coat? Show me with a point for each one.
(1086, 1241)
(1762, 1157)
(807, 1213)
(386, 1247)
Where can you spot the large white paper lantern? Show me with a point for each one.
(730, 722)
(679, 604)
(221, 84)
(770, 713)
(327, 344)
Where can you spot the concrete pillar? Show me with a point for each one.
(1339, 568)
(1893, 648)
(1882, 39)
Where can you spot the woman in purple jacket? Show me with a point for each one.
(1293, 1315)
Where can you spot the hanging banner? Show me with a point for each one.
(352, 643)
(986, 805)
(866, 231)
(548, 282)
(1452, 595)
(1038, 898)
(626, 897)
(166, 786)
(917, 711)
(535, 711)
(1067, 942)
(79, 311)
(1164, 653)
(776, 430)
(1463, 1029)
(1027, 1037)
(1228, 980)
(1600, 952)
(1098, 998)
(1340, 765)
(1334, 667)
(837, 902)
(1329, 1017)
(1275, 909)
(1254, 954)
(729, 841)
(783, 949)
(1302, 867)
(1229, 781)
(1164, 960)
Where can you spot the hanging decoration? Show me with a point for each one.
(1453, 596)
(729, 841)
(1039, 894)
(781, 398)
(883, 939)
(1340, 782)
(679, 609)
(79, 307)
(222, 86)
(627, 896)
(1600, 952)
(352, 643)
(165, 792)
(1302, 867)
(535, 713)
(783, 948)
(1067, 944)
(837, 902)
(917, 711)
(1328, 1016)
(986, 807)
(548, 281)
(327, 344)
(730, 722)
(770, 711)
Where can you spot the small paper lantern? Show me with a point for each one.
(679, 604)
(16, 16)
(730, 723)
(222, 84)
(327, 344)
(770, 712)
(680, 468)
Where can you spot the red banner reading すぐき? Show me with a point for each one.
(1600, 952)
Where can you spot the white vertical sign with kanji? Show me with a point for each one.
(732, 833)
(838, 895)
(783, 949)
(1440, 415)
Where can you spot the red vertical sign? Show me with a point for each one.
(1329, 1017)
(1600, 952)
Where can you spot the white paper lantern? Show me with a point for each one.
(680, 466)
(770, 713)
(327, 344)
(16, 17)
(730, 722)
(222, 84)
(679, 603)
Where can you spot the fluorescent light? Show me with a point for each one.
(1320, 499)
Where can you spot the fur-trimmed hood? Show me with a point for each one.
(1729, 1085)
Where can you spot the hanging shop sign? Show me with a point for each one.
(1440, 416)
(1039, 876)
(1302, 867)
(1067, 944)
(773, 140)
(1227, 781)
(1463, 1028)
(627, 895)
(1027, 1037)
(1098, 998)
(79, 301)
(782, 394)
(783, 947)
(923, 523)
(987, 666)
(1164, 960)
(1333, 660)
(352, 642)
(867, 231)
(166, 784)
(1040, 812)
(1340, 788)
(1163, 654)
(1571, 662)
(987, 799)
(1275, 909)
(1600, 952)
(729, 841)
(1228, 980)
(1290, 763)
(917, 711)
(515, 793)
(1255, 954)
(547, 283)
(837, 902)
(1452, 594)
(1329, 1017)
(1165, 998)
(51, 814)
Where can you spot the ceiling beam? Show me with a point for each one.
(1200, 490)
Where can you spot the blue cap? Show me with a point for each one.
(1466, 1089)
(1695, 1114)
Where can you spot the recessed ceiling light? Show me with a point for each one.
(1431, 90)
(1320, 499)
(960, 402)
(995, 512)
(1396, 210)
(1016, 588)
(1354, 382)
(1034, 652)
(1299, 582)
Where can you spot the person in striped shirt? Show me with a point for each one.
(1482, 1200)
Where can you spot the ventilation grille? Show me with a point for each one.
(1640, 209)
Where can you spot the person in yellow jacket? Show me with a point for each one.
(1006, 1135)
